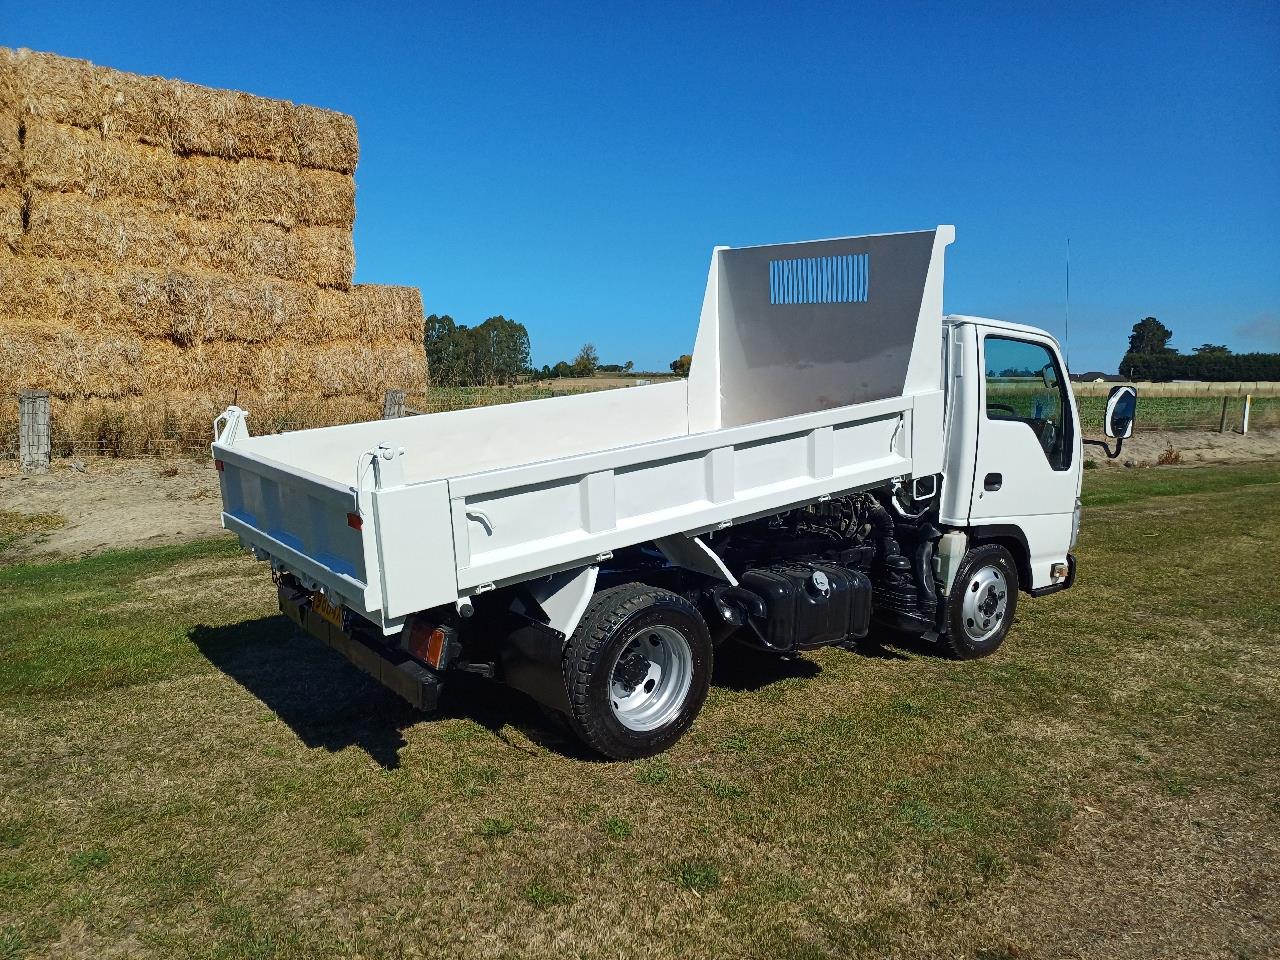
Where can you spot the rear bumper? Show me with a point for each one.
(1066, 584)
(390, 667)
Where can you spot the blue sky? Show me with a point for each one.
(571, 166)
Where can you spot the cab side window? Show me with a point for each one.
(1025, 384)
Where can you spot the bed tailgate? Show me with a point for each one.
(311, 526)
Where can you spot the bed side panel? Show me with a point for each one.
(415, 544)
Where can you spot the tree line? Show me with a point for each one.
(1150, 357)
(496, 353)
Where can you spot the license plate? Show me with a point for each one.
(329, 611)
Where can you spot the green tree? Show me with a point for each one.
(447, 362)
(585, 363)
(495, 352)
(1212, 350)
(502, 351)
(1150, 336)
(680, 366)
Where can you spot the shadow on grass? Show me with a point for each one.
(885, 644)
(331, 704)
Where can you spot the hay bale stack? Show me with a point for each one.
(166, 248)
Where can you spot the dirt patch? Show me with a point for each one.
(1146, 447)
(108, 504)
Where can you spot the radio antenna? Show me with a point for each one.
(1066, 311)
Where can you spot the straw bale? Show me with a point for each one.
(168, 369)
(293, 196)
(324, 256)
(11, 205)
(296, 369)
(10, 79)
(359, 369)
(10, 149)
(212, 307)
(326, 139)
(62, 158)
(117, 231)
(71, 365)
(73, 226)
(41, 296)
(370, 312)
(61, 88)
(182, 117)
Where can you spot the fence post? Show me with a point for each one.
(1222, 424)
(1244, 419)
(392, 404)
(33, 431)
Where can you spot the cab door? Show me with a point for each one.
(1026, 466)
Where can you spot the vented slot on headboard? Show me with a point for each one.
(843, 279)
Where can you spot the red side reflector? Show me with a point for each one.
(354, 521)
(427, 643)
(435, 647)
(219, 465)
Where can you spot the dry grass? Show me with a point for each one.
(190, 777)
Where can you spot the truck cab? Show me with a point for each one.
(1013, 449)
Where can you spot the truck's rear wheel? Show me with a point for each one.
(636, 670)
(982, 603)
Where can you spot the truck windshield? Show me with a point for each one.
(1025, 384)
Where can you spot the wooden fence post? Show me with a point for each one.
(1244, 419)
(33, 431)
(1222, 424)
(392, 404)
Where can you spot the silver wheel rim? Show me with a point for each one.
(650, 678)
(986, 598)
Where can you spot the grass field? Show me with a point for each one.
(1185, 413)
(182, 775)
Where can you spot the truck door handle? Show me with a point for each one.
(992, 481)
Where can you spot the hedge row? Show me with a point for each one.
(1235, 366)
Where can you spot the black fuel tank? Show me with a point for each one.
(809, 604)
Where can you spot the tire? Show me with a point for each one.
(983, 602)
(636, 671)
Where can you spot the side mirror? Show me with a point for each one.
(1122, 407)
(1049, 376)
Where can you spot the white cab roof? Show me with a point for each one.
(955, 319)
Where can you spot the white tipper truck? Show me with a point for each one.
(842, 457)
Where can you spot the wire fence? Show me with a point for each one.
(1186, 413)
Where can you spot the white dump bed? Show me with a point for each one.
(817, 370)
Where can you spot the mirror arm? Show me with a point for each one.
(1103, 445)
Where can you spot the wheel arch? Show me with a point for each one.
(1012, 539)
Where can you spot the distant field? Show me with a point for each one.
(1154, 413)
(181, 774)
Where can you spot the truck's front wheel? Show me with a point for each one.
(636, 670)
(982, 602)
